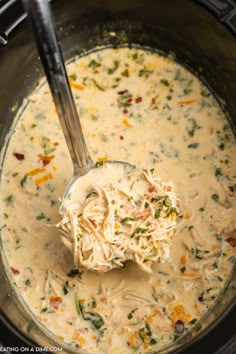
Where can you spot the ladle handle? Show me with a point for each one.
(40, 16)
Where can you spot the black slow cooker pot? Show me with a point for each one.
(202, 40)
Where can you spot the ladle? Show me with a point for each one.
(40, 17)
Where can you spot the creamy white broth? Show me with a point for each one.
(140, 107)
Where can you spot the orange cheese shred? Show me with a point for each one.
(78, 338)
(75, 85)
(133, 337)
(187, 215)
(149, 319)
(126, 123)
(35, 172)
(186, 102)
(43, 179)
(179, 314)
(102, 158)
(190, 275)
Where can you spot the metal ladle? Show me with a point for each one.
(40, 17)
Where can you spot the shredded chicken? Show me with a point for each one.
(132, 218)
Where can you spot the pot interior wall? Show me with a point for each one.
(196, 38)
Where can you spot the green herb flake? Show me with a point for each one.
(152, 341)
(98, 85)
(193, 321)
(9, 200)
(125, 73)
(130, 314)
(52, 203)
(74, 273)
(42, 216)
(99, 163)
(193, 127)
(145, 73)
(125, 100)
(187, 91)
(148, 329)
(94, 304)
(94, 64)
(66, 288)
(28, 283)
(44, 310)
(205, 93)
(183, 269)
(91, 194)
(167, 202)
(29, 269)
(193, 146)
(218, 172)
(139, 230)
(116, 64)
(47, 145)
(232, 188)
(73, 77)
(104, 138)
(127, 219)
(23, 181)
(142, 334)
(157, 213)
(222, 146)
(215, 197)
(165, 82)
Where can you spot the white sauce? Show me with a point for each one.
(139, 107)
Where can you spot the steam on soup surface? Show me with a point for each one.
(143, 108)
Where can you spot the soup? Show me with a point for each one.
(141, 107)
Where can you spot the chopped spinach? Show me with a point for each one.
(95, 319)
